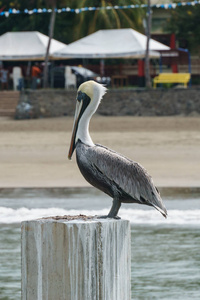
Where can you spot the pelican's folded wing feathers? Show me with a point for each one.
(130, 176)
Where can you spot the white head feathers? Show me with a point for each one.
(93, 89)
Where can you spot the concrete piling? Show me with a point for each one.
(76, 259)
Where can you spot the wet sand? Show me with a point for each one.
(33, 153)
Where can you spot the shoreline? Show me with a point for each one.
(34, 152)
(53, 191)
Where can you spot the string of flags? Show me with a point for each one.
(79, 10)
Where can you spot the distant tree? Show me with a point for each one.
(71, 26)
(89, 21)
(184, 22)
(23, 22)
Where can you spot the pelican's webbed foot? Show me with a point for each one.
(109, 217)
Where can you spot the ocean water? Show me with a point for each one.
(165, 253)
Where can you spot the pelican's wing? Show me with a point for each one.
(130, 176)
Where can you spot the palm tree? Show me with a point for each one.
(90, 21)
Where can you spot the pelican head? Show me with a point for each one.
(88, 99)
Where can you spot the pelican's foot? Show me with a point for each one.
(109, 217)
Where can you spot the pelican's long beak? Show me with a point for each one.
(75, 127)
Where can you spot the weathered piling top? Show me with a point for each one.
(75, 257)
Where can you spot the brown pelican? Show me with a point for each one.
(121, 178)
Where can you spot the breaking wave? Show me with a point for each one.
(135, 216)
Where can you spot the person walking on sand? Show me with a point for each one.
(35, 74)
(4, 77)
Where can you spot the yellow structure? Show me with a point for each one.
(172, 78)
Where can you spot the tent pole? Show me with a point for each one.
(189, 63)
(28, 73)
(52, 74)
(160, 64)
(102, 67)
(51, 29)
(148, 33)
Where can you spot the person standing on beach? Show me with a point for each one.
(4, 77)
(35, 74)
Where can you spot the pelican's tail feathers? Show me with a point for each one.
(162, 210)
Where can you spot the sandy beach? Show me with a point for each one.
(34, 152)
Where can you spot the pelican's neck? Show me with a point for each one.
(83, 130)
(95, 92)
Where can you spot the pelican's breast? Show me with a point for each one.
(85, 159)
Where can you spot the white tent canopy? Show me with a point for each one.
(27, 45)
(111, 43)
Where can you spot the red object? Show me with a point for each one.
(141, 68)
(173, 41)
(173, 46)
(2, 9)
(174, 68)
(35, 71)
